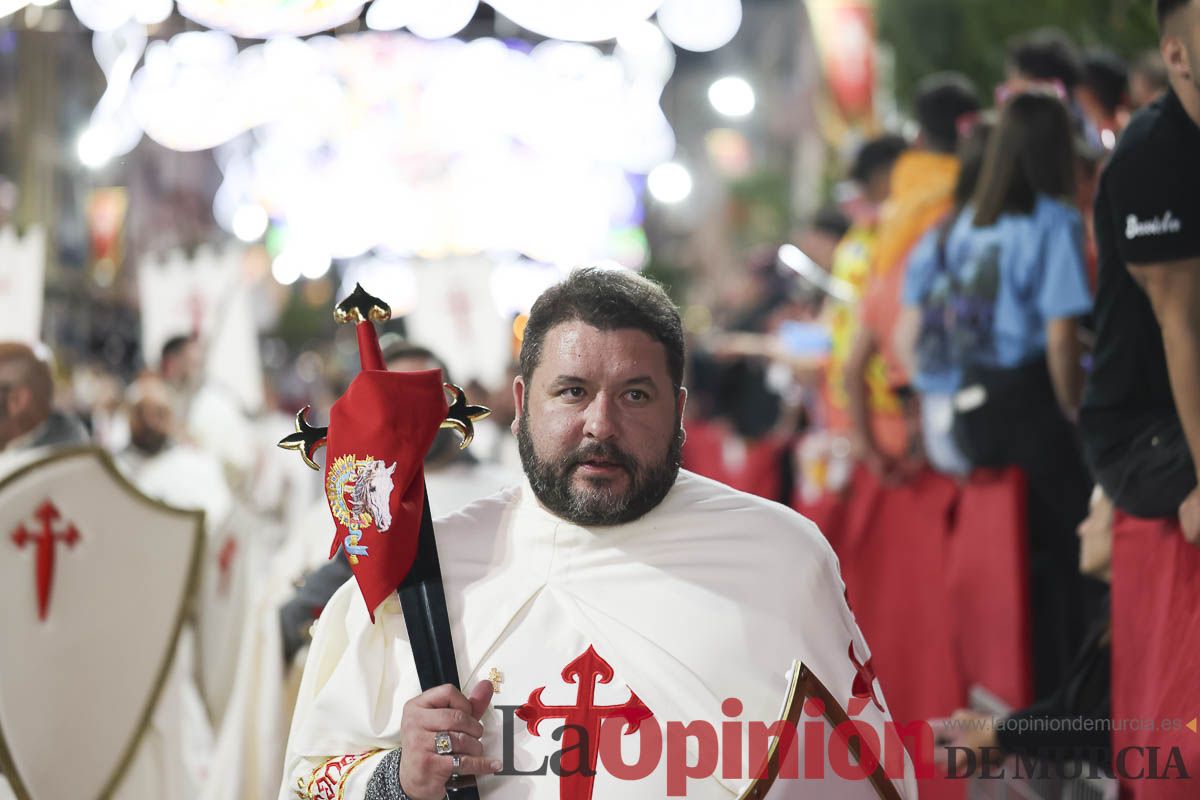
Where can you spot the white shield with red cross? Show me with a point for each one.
(98, 579)
(233, 559)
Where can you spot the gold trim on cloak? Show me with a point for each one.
(7, 766)
(803, 686)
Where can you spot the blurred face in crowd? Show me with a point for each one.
(150, 417)
(182, 369)
(879, 185)
(1095, 537)
(598, 424)
(1180, 47)
(14, 398)
(25, 391)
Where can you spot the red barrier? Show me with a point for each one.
(987, 582)
(1156, 654)
(936, 573)
(755, 466)
(893, 558)
(939, 579)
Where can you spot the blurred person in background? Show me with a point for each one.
(97, 397)
(1072, 722)
(28, 418)
(1147, 79)
(731, 372)
(172, 471)
(1103, 96)
(208, 413)
(1043, 56)
(162, 465)
(922, 192)
(1013, 283)
(872, 174)
(181, 368)
(922, 331)
(1141, 411)
(819, 237)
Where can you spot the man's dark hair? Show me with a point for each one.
(173, 347)
(1046, 54)
(1031, 153)
(876, 154)
(398, 348)
(607, 299)
(1165, 8)
(1107, 77)
(942, 98)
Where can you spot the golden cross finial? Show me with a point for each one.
(496, 677)
(306, 440)
(462, 416)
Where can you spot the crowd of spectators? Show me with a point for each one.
(1018, 287)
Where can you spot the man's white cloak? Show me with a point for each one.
(711, 595)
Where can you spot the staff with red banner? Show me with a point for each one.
(375, 487)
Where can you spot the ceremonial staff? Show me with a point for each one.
(381, 510)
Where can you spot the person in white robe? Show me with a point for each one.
(173, 758)
(610, 584)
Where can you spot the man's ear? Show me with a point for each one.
(681, 407)
(518, 403)
(1175, 57)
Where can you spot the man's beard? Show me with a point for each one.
(147, 441)
(551, 480)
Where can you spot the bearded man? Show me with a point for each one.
(675, 605)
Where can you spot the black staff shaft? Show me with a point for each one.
(423, 601)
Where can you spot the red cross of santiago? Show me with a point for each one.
(581, 737)
(225, 563)
(863, 689)
(45, 541)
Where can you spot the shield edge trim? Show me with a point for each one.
(7, 766)
(805, 684)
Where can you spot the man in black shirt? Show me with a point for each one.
(1141, 409)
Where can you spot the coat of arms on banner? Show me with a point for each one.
(98, 579)
(359, 492)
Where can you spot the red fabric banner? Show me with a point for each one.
(379, 433)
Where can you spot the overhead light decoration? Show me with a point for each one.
(700, 25)
(406, 143)
(568, 20)
(576, 20)
(468, 147)
(260, 19)
(731, 96)
(669, 183)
